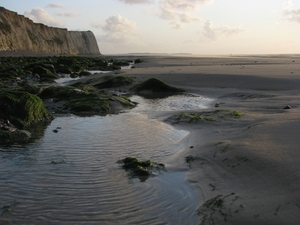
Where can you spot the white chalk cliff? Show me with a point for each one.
(19, 33)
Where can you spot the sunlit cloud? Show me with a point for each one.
(178, 16)
(117, 29)
(40, 15)
(180, 12)
(183, 5)
(55, 5)
(131, 2)
(212, 33)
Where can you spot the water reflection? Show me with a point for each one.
(161, 102)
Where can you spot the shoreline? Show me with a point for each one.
(249, 164)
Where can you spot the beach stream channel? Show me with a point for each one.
(71, 176)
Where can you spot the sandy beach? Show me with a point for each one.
(246, 170)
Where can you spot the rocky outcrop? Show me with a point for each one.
(18, 33)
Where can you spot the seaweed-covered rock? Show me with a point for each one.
(17, 136)
(140, 169)
(44, 72)
(138, 61)
(31, 88)
(155, 85)
(2, 84)
(59, 92)
(63, 69)
(88, 102)
(85, 99)
(111, 81)
(121, 63)
(85, 73)
(22, 108)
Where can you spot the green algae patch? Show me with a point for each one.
(155, 85)
(2, 85)
(58, 92)
(111, 81)
(30, 88)
(193, 117)
(235, 114)
(125, 101)
(22, 108)
(89, 102)
(140, 169)
(87, 99)
(211, 116)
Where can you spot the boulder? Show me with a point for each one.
(155, 85)
(23, 109)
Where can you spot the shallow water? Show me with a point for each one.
(71, 177)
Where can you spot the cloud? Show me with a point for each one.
(212, 33)
(131, 2)
(178, 17)
(176, 25)
(54, 5)
(39, 15)
(288, 3)
(117, 29)
(292, 15)
(180, 12)
(289, 13)
(71, 14)
(183, 5)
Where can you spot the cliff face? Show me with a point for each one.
(18, 33)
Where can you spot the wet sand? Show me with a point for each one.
(247, 170)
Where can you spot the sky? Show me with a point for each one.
(204, 27)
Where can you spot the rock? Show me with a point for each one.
(16, 136)
(155, 85)
(63, 69)
(74, 75)
(22, 108)
(287, 107)
(138, 61)
(140, 169)
(21, 135)
(112, 81)
(85, 73)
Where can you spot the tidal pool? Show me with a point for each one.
(71, 176)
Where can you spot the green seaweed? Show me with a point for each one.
(235, 114)
(125, 101)
(22, 108)
(89, 102)
(193, 117)
(140, 169)
(111, 81)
